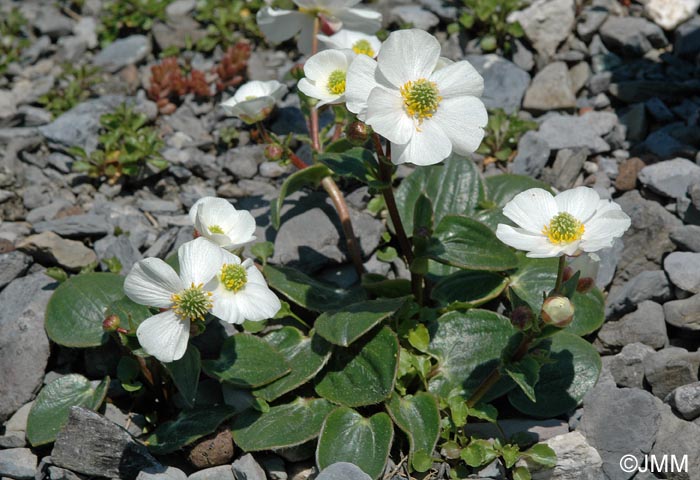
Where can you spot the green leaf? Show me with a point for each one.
(381, 286)
(263, 251)
(468, 288)
(454, 187)
(465, 243)
(247, 361)
(525, 374)
(350, 163)
(468, 346)
(422, 461)
(419, 337)
(307, 292)
(521, 473)
(283, 426)
(342, 327)
(542, 454)
(185, 374)
(564, 382)
(347, 436)
(479, 452)
(188, 427)
(305, 356)
(311, 175)
(130, 313)
(419, 418)
(76, 309)
(51, 407)
(364, 373)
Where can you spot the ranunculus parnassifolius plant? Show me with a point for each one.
(426, 112)
(254, 101)
(360, 43)
(571, 222)
(325, 76)
(218, 221)
(281, 25)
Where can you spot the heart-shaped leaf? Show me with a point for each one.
(189, 426)
(468, 288)
(283, 426)
(350, 163)
(364, 373)
(185, 374)
(311, 175)
(419, 418)
(347, 436)
(247, 361)
(130, 313)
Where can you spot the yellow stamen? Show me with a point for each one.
(363, 47)
(421, 98)
(233, 277)
(192, 303)
(216, 229)
(336, 82)
(563, 229)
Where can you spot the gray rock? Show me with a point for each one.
(242, 162)
(79, 126)
(167, 473)
(53, 23)
(416, 16)
(619, 422)
(342, 471)
(684, 314)
(678, 438)
(683, 269)
(576, 460)
(551, 89)
(537, 430)
(645, 325)
(658, 109)
(133, 423)
(547, 23)
(57, 473)
(12, 265)
(162, 246)
(504, 82)
(533, 155)
(566, 168)
(627, 367)
(18, 463)
(632, 36)
(86, 30)
(671, 178)
(77, 226)
(687, 237)
(664, 145)
(159, 206)
(123, 52)
(272, 169)
(687, 38)
(224, 472)
(274, 467)
(686, 400)
(590, 21)
(24, 347)
(579, 74)
(186, 122)
(49, 249)
(648, 285)
(16, 428)
(246, 468)
(670, 368)
(90, 444)
(585, 131)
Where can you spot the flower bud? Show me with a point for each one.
(273, 152)
(358, 132)
(196, 328)
(111, 323)
(521, 317)
(297, 72)
(558, 311)
(584, 285)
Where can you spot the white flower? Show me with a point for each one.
(575, 220)
(358, 42)
(425, 112)
(254, 101)
(281, 25)
(325, 76)
(240, 292)
(218, 221)
(154, 283)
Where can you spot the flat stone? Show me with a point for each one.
(416, 16)
(669, 369)
(677, 437)
(18, 463)
(648, 285)
(551, 89)
(246, 468)
(682, 269)
(90, 444)
(24, 347)
(49, 249)
(687, 38)
(684, 313)
(668, 14)
(627, 367)
(671, 178)
(576, 460)
(274, 467)
(537, 430)
(631, 36)
(627, 174)
(590, 21)
(242, 162)
(504, 82)
(123, 52)
(585, 131)
(686, 400)
(566, 168)
(645, 325)
(53, 23)
(273, 169)
(212, 450)
(167, 473)
(533, 155)
(342, 471)
(547, 23)
(57, 473)
(224, 472)
(77, 226)
(12, 265)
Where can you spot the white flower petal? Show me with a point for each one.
(458, 79)
(463, 120)
(306, 37)
(279, 25)
(408, 55)
(360, 19)
(199, 261)
(226, 308)
(386, 115)
(253, 110)
(428, 146)
(522, 239)
(580, 202)
(603, 229)
(242, 228)
(359, 82)
(152, 282)
(195, 208)
(164, 336)
(256, 302)
(320, 66)
(312, 90)
(532, 209)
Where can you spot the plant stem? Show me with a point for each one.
(560, 274)
(344, 213)
(263, 132)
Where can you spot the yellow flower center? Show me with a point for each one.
(563, 228)
(363, 47)
(421, 98)
(233, 277)
(216, 229)
(336, 82)
(192, 303)
(250, 97)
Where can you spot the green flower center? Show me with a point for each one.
(564, 228)
(192, 303)
(363, 47)
(233, 277)
(336, 82)
(216, 229)
(421, 98)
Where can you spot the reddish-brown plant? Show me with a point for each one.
(231, 69)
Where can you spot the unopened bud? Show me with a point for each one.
(297, 72)
(196, 328)
(558, 311)
(358, 132)
(584, 285)
(111, 323)
(273, 152)
(521, 317)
